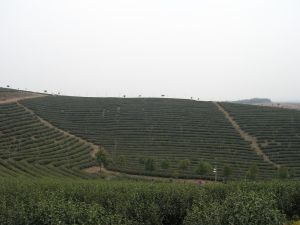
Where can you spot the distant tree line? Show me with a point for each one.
(203, 168)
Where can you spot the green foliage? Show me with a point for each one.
(149, 164)
(165, 164)
(204, 168)
(29, 148)
(122, 160)
(272, 127)
(251, 208)
(142, 160)
(227, 172)
(184, 164)
(283, 172)
(204, 213)
(169, 128)
(175, 174)
(103, 158)
(252, 172)
(26, 201)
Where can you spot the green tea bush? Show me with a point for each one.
(251, 208)
(239, 208)
(204, 213)
(25, 201)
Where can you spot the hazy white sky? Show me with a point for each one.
(212, 50)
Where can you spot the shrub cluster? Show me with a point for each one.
(71, 201)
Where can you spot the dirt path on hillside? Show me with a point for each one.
(95, 148)
(247, 137)
(16, 99)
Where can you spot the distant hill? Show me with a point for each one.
(56, 136)
(166, 130)
(254, 101)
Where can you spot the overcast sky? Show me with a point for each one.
(212, 50)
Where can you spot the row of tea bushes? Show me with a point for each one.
(30, 148)
(277, 131)
(71, 201)
(166, 129)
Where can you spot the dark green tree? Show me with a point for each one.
(252, 172)
(122, 160)
(142, 160)
(291, 173)
(165, 164)
(149, 164)
(204, 168)
(184, 164)
(227, 171)
(103, 158)
(283, 172)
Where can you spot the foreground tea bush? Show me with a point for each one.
(238, 208)
(56, 201)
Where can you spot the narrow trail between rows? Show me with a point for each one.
(95, 148)
(247, 137)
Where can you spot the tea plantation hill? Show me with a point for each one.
(28, 147)
(135, 129)
(277, 131)
(8, 95)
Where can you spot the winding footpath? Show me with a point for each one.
(247, 137)
(95, 148)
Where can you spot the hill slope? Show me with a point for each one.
(277, 131)
(8, 95)
(165, 129)
(29, 147)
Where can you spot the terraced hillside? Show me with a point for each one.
(165, 129)
(277, 131)
(29, 147)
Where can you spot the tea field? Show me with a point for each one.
(30, 148)
(277, 131)
(169, 130)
